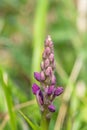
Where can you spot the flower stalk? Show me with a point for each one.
(44, 121)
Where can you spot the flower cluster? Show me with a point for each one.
(46, 93)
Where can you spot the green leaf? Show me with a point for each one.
(33, 126)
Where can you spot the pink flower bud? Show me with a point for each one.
(51, 108)
(35, 88)
(42, 76)
(48, 71)
(51, 57)
(48, 39)
(39, 97)
(50, 90)
(47, 62)
(53, 80)
(58, 91)
(47, 50)
(37, 76)
(51, 44)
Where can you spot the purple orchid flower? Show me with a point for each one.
(46, 93)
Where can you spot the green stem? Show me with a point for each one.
(44, 122)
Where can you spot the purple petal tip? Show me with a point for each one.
(51, 108)
(50, 90)
(39, 97)
(42, 76)
(58, 91)
(35, 88)
(53, 80)
(37, 76)
(48, 71)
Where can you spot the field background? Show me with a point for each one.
(24, 25)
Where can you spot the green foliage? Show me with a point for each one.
(24, 25)
(34, 127)
(5, 84)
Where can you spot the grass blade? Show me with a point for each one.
(34, 127)
(7, 93)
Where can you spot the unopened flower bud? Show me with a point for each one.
(58, 91)
(37, 76)
(51, 108)
(48, 40)
(48, 71)
(39, 97)
(47, 62)
(51, 44)
(50, 90)
(35, 88)
(42, 76)
(53, 80)
(51, 57)
(47, 50)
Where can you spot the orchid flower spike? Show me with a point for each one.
(46, 93)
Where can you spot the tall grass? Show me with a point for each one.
(8, 97)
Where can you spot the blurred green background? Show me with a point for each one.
(24, 25)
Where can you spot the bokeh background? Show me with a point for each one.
(24, 24)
